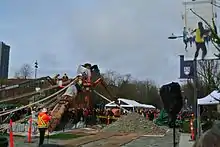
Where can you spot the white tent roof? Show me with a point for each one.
(112, 104)
(210, 99)
(130, 103)
(147, 106)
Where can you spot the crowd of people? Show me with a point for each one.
(63, 78)
(15, 116)
(92, 116)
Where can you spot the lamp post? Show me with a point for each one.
(195, 104)
(36, 67)
(174, 36)
(35, 73)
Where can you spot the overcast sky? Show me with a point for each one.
(128, 36)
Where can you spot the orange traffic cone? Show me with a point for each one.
(155, 115)
(192, 128)
(11, 139)
(30, 130)
(108, 120)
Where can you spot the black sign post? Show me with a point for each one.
(188, 70)
(195, 79)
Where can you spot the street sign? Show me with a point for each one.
(186, 68)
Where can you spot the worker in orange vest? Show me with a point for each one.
(43, 121)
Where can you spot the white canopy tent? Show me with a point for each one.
(129, 104)
(112, 104)
(148, 106)
(211, 99)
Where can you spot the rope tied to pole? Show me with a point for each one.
(54, 94)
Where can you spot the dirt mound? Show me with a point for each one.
(134, 123)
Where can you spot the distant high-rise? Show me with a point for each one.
(4, 60)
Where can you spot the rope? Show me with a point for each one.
(30, 94)
(110, 101)
(54, 94)
(49, 102)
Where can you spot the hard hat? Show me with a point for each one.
(44, 110)
(80, 75)
(80, 82)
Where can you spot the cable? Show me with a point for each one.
(216, 5)
(110, 101)
(54, 94)
(30, 94)
(49, 102)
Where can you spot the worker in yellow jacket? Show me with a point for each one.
(43, 122)
(200, 42)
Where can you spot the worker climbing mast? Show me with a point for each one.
(197, 14)
(197, 33)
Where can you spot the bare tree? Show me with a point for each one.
(209, 74)
(188, 90)
(125, 86)
(112, 77)
(208, 80)
(149, 93)
(24, 72)
(17, 75)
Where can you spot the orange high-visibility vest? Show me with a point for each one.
(43, 120)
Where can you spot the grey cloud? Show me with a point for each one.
(131, 36)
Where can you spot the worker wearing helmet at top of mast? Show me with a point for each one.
(65, 77)
(85, 71)
(56, 76)
(43, 122)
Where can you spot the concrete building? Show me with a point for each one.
(4, 60)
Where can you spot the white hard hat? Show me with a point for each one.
(44, 110)
(80, 75)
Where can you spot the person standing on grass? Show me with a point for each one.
(43, 122)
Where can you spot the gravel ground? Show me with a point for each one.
(20, 142)
(113, 141)
(166, 141)
(134, 123)
(134, 141)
